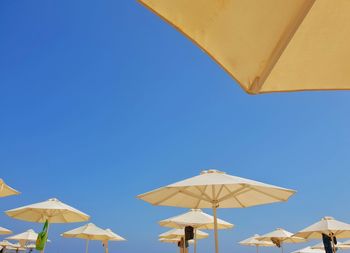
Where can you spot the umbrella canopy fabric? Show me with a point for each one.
(30, 246)
(29, 235)
(52, 210)
(252, 241)
(214, 187)
(6, 190)
(16, 247)
(114, 236)
(88, 232)
(340, 245)
(5, 231)
(177, 233)
(269, 46)
(308, 250)
(327, 225)
(195, 218)
(282, 236)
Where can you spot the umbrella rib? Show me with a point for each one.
(233, 193)
(191, 194)
(202, 193)
(235, 196)
(167, 197)
(219, 192)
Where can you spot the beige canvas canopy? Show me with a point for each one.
(177, 233)
(52, 210)
(270, 45)
(328, 225)
(197, 219)
(5, 231)
(6, 244)
(16, 246)
(28, 236)
(216, 189)
(252, 241)
(91, 232)
(308, 250)
(6, 190)
(280, 236)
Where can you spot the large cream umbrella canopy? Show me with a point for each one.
(6, 190)
(5, 231)
(252, 241)
(215, 189)
(280, 236)
(270, 45)
(52, 210)
(197, 219)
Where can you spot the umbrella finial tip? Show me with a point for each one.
(212, 171)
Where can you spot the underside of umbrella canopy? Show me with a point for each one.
(270, 45)
(88, 232)
(195, 218)
(214, 187)
(53, 210)
(178, 233)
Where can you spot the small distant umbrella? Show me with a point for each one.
(197, 219)
(114, 237)
(28, 236)
(328, 226)
(216, 189)
(17, 247)
(5, 244)
(279, 237)
(6, 190)
(5, 231)
(52, 210)
(91, 232)
(308, 250)
(252, 241)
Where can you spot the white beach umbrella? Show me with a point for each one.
(252, 241)
(28, 236)
(197, 219)
(6, 190)
(280, 236)
(52, 210)
(215, 189)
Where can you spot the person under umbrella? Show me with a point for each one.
(252, 241)
(279, 237)
(216, 189)
(197, 219)
(50, 211)
(328, 229)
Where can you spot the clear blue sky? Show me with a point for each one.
(101, 101)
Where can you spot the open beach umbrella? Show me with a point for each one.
(28, 236)
(6, 244)
(6, 190)
(329, 226)
(52, 210)
(252, 241)
(270, 45)
(197, 219)
(308, 250)
(280, 236)
(5, 231)
(215, 189)
(92, 232)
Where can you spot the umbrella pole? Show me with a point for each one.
(87, 246)
(195, 241)
(216, 228)
(106, 246)
(257, 249)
